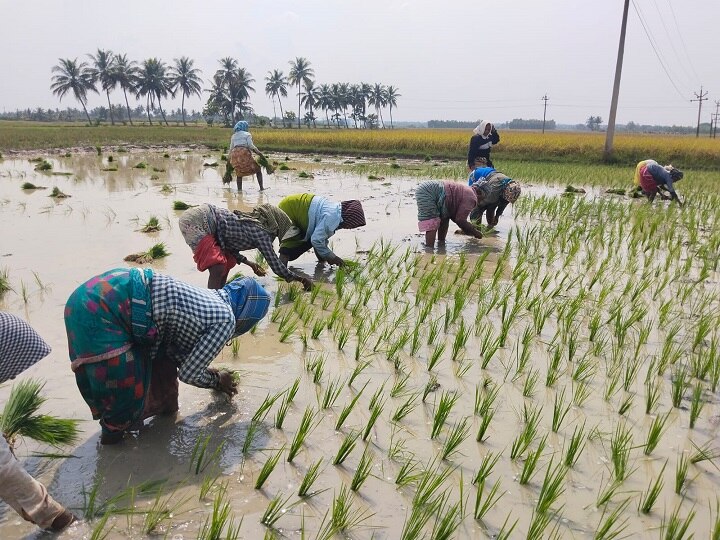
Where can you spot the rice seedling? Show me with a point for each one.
(485, 397)
(620, 446)
(612, 526)
(505, 533)
(485, 502)
(348, 408)
(400, 386)
(316, 366)
(679, 382)
(99, 532)
(304, 429)
(435, 356)
(433, 331)
(357, 370)
(161, 511)
(250, 436)
(675, 528)
(376, 397)
(488, 347)
(552, 487)
(442, 411)
(414, 526)
(560, 410)
(343, 517)
(431, 386)
(458, 433)
(449, 517)
(649, 496)
(703, 453)
(342, 334)
(346, 447)
(626, 404)
(652, 394)
(375, 413)
(426, 493)
(460, 341)
(409, 473)
(331, 393)
(19, 417)
(406, 408)
(655, 433)
(576, 446)
(157, 251)
(531, 462)
(696, 404)
(317, 328)
(276, 508)
(681, 470)
(486, 466)
(267, 468)
(525, 438)
(554, 367)
(363, 470)
(152, 225)
(311, 475)
(605, 494)
(530, 383)
(207, 485)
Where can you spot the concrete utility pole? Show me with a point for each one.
(700, 98)
(616, 85)
(545, 99)
(717, 110)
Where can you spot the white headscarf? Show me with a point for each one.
(481, 127)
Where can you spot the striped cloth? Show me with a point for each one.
(20, 346)
(352, 214)
(430, 198)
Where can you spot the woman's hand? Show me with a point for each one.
(306, 283)
(257, 269)
(225, 384)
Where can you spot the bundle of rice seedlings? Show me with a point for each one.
(264, 163)
(28, 185)
(19, 417)
(141, 165)
(158, 251)
(4, 281)
(152, 225)
(180, 205)
(572, 189)
(57, 194)
(43, 166)
(166, 189)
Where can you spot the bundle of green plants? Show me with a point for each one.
(57, 194)
(141, 165)
(571, 189)
(158, 251)
(20, 418)
(4, 281)
(304, 174)
(180, 205)
(283, 167)
(28, 185)
(265, 164)
(43, 165)
(166, 189)
(152, 225)
(615, 191)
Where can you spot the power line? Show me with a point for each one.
(669, 38)
(682, 41)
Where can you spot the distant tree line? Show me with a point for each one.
(152, 81)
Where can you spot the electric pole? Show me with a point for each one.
(616, 85)
(700, 98)
(717, 110)
(545, 99)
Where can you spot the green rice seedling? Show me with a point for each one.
(626, 404)
(484, 425)
(161, 510)
(485, 502)
(531, 462)
(376, 397)
(488, 347)
(505, 533)
(414, 526)
(4, 281)
(449, 517)
(704, 453)
(435, 356)
(612, 381)
(207, 485)
(316, 366)
(348, 408)
(525, 438)
(649, 496)
(344, 518)
(581, 392)
(267, 468)
(652, 394)
(560, 410)
(679, 382)
(704, 326)
(311, 475)
(250, 436)
(675, 528)
(460, 340)
(632, 367)
(357, 370)
(158, 251)
(331, 393)
(530, 383)
(293, 390)
(152, 225)
(431, 386)
(433, 331)
(409, 473)
(458, 433)
(612, 526)
(655, 433)
(28, 186)
(400, 386)
(696, 404)
(275, 510)
(552, 487)
(442, 411)
(19, 417)
(554, 367)
(681, 470)
(264, 408)
(485, 397)
(605, 494)
(406, 408)
(700, 366)
(24, 293)
(363, 470)
(304, 429)
(486, 466)
(620, 446)
(327, 300)
(426, 493)
(180, 205)
(99, 532)
(342, 334)
(375, 413)
(576, 446)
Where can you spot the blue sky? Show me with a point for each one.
(458, 60)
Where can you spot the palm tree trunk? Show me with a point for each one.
(327, 120)
(313, 117)
(282, 114)
(391, 122)
(148, 110)
(182, 106)
(112, 120)
(127, 104)
(86, 113)
(162, 112)
(298, 104)
(274, 112)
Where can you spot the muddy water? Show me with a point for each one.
(63, 242)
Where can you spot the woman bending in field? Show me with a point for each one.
(498, 191)
(439, 202)
(652, 178)
(240, 157)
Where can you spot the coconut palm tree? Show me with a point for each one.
(184, 77)
(311, 99)
(391, 96)
(153, 82)
(276, 86)
(325, 101)
(126, 75)
(71, 76)
(300, 72)
(232, 87)
(103, 72)
(240, 88)
(377, 99)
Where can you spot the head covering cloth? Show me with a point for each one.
(249, 302)
(20, 346)
(242, 125)
(676, 174)
(352, 214)
(481, 127)
(511, 192)
(272, 219)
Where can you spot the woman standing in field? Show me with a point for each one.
(240, 157)
(652, 178)
(20, 348)
(217, 236)
(484, 137)
(318, 218)
(125, 324)
(498, 190)
(439, 202)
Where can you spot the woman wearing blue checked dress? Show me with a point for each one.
(132, 333)
(20, 348)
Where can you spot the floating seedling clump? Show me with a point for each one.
(158, 251)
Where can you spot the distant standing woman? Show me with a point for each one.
(240, 158)
(484, 137)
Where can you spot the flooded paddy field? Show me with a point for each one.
(557, 377)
